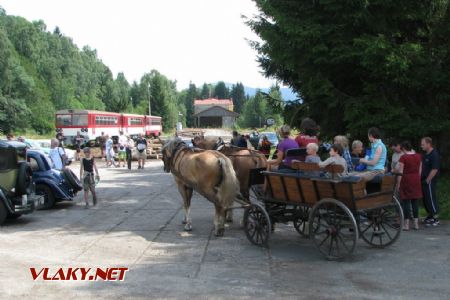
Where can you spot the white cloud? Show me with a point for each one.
(197, 40)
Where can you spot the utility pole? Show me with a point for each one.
(149, 103)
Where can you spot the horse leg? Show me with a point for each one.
(219, 220)
(187, 210)
(186, 193)
(229, 216)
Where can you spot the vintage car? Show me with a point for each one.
(44, 146)
(17, 195)
(53, 185)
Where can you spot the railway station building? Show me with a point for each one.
(214, 113)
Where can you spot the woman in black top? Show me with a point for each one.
(87, 167)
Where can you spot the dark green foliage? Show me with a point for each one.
(221, 91)
(205, 93)
(360, 63)
(188, 99)
(238, 95)
(256, 110)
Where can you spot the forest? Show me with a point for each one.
(42, 71)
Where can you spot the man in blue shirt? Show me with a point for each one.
(430, 173)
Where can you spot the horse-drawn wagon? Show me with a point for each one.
(332, 213)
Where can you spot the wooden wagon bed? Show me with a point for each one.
(332, 212)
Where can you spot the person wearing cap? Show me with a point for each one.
(129, 149)
(87, 168)
(286, 144)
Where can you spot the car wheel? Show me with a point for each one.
(14, 216)
(49, 198)
(3, 213)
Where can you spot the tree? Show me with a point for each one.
(358, 64)
(238, 95)
(190, 96)
(221, 91)
(206, 91)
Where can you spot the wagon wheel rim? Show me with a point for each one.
(301, 220)
(257, 225)
(381, 227)
(333, 229)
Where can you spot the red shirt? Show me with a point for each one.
(410, 185)
(304, 140)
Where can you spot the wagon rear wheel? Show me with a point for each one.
(301, 220)
(257, 225)
(332, 227)
(381, 227)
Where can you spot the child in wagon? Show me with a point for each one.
(312, 157)
(336, 158)
(87, 168)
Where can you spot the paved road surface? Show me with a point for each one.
(138, 225)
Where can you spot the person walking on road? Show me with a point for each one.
(87, 168)
(141, 145)
(430, 173)
(122, 148)
(102, 142)
(109, 152)
(129, 150)
(409, 189)
(78, 140)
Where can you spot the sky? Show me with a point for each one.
(186, 40)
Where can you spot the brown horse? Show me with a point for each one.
(209, 173)
(243, 159)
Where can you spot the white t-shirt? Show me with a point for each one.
(55, 155)
(123, 140)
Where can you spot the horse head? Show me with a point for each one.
(168, 152)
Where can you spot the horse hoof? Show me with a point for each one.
(188, 227)
(219, 232)
(183, 221)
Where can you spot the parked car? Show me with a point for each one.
(32, 144)
(17, 195)
(271, 136)
(44, 146)
(53, 185)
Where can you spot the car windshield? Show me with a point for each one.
(271, 136)
(33, 144)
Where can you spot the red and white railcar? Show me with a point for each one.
(91, 124)
(133, 124)
(153, 126)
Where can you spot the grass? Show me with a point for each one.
(443, 191)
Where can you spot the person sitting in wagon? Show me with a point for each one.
(282, 161)
(376, 161)
(335, 158)
(312, 157)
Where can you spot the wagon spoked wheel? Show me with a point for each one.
(257, 225)
(382, 226)
(301, 220)
(332, 227)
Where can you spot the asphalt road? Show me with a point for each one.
(137, 225)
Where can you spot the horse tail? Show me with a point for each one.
(228, 186)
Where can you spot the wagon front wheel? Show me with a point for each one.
(332, 227)
(301, 219)
(381, 227)
(257, 225)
